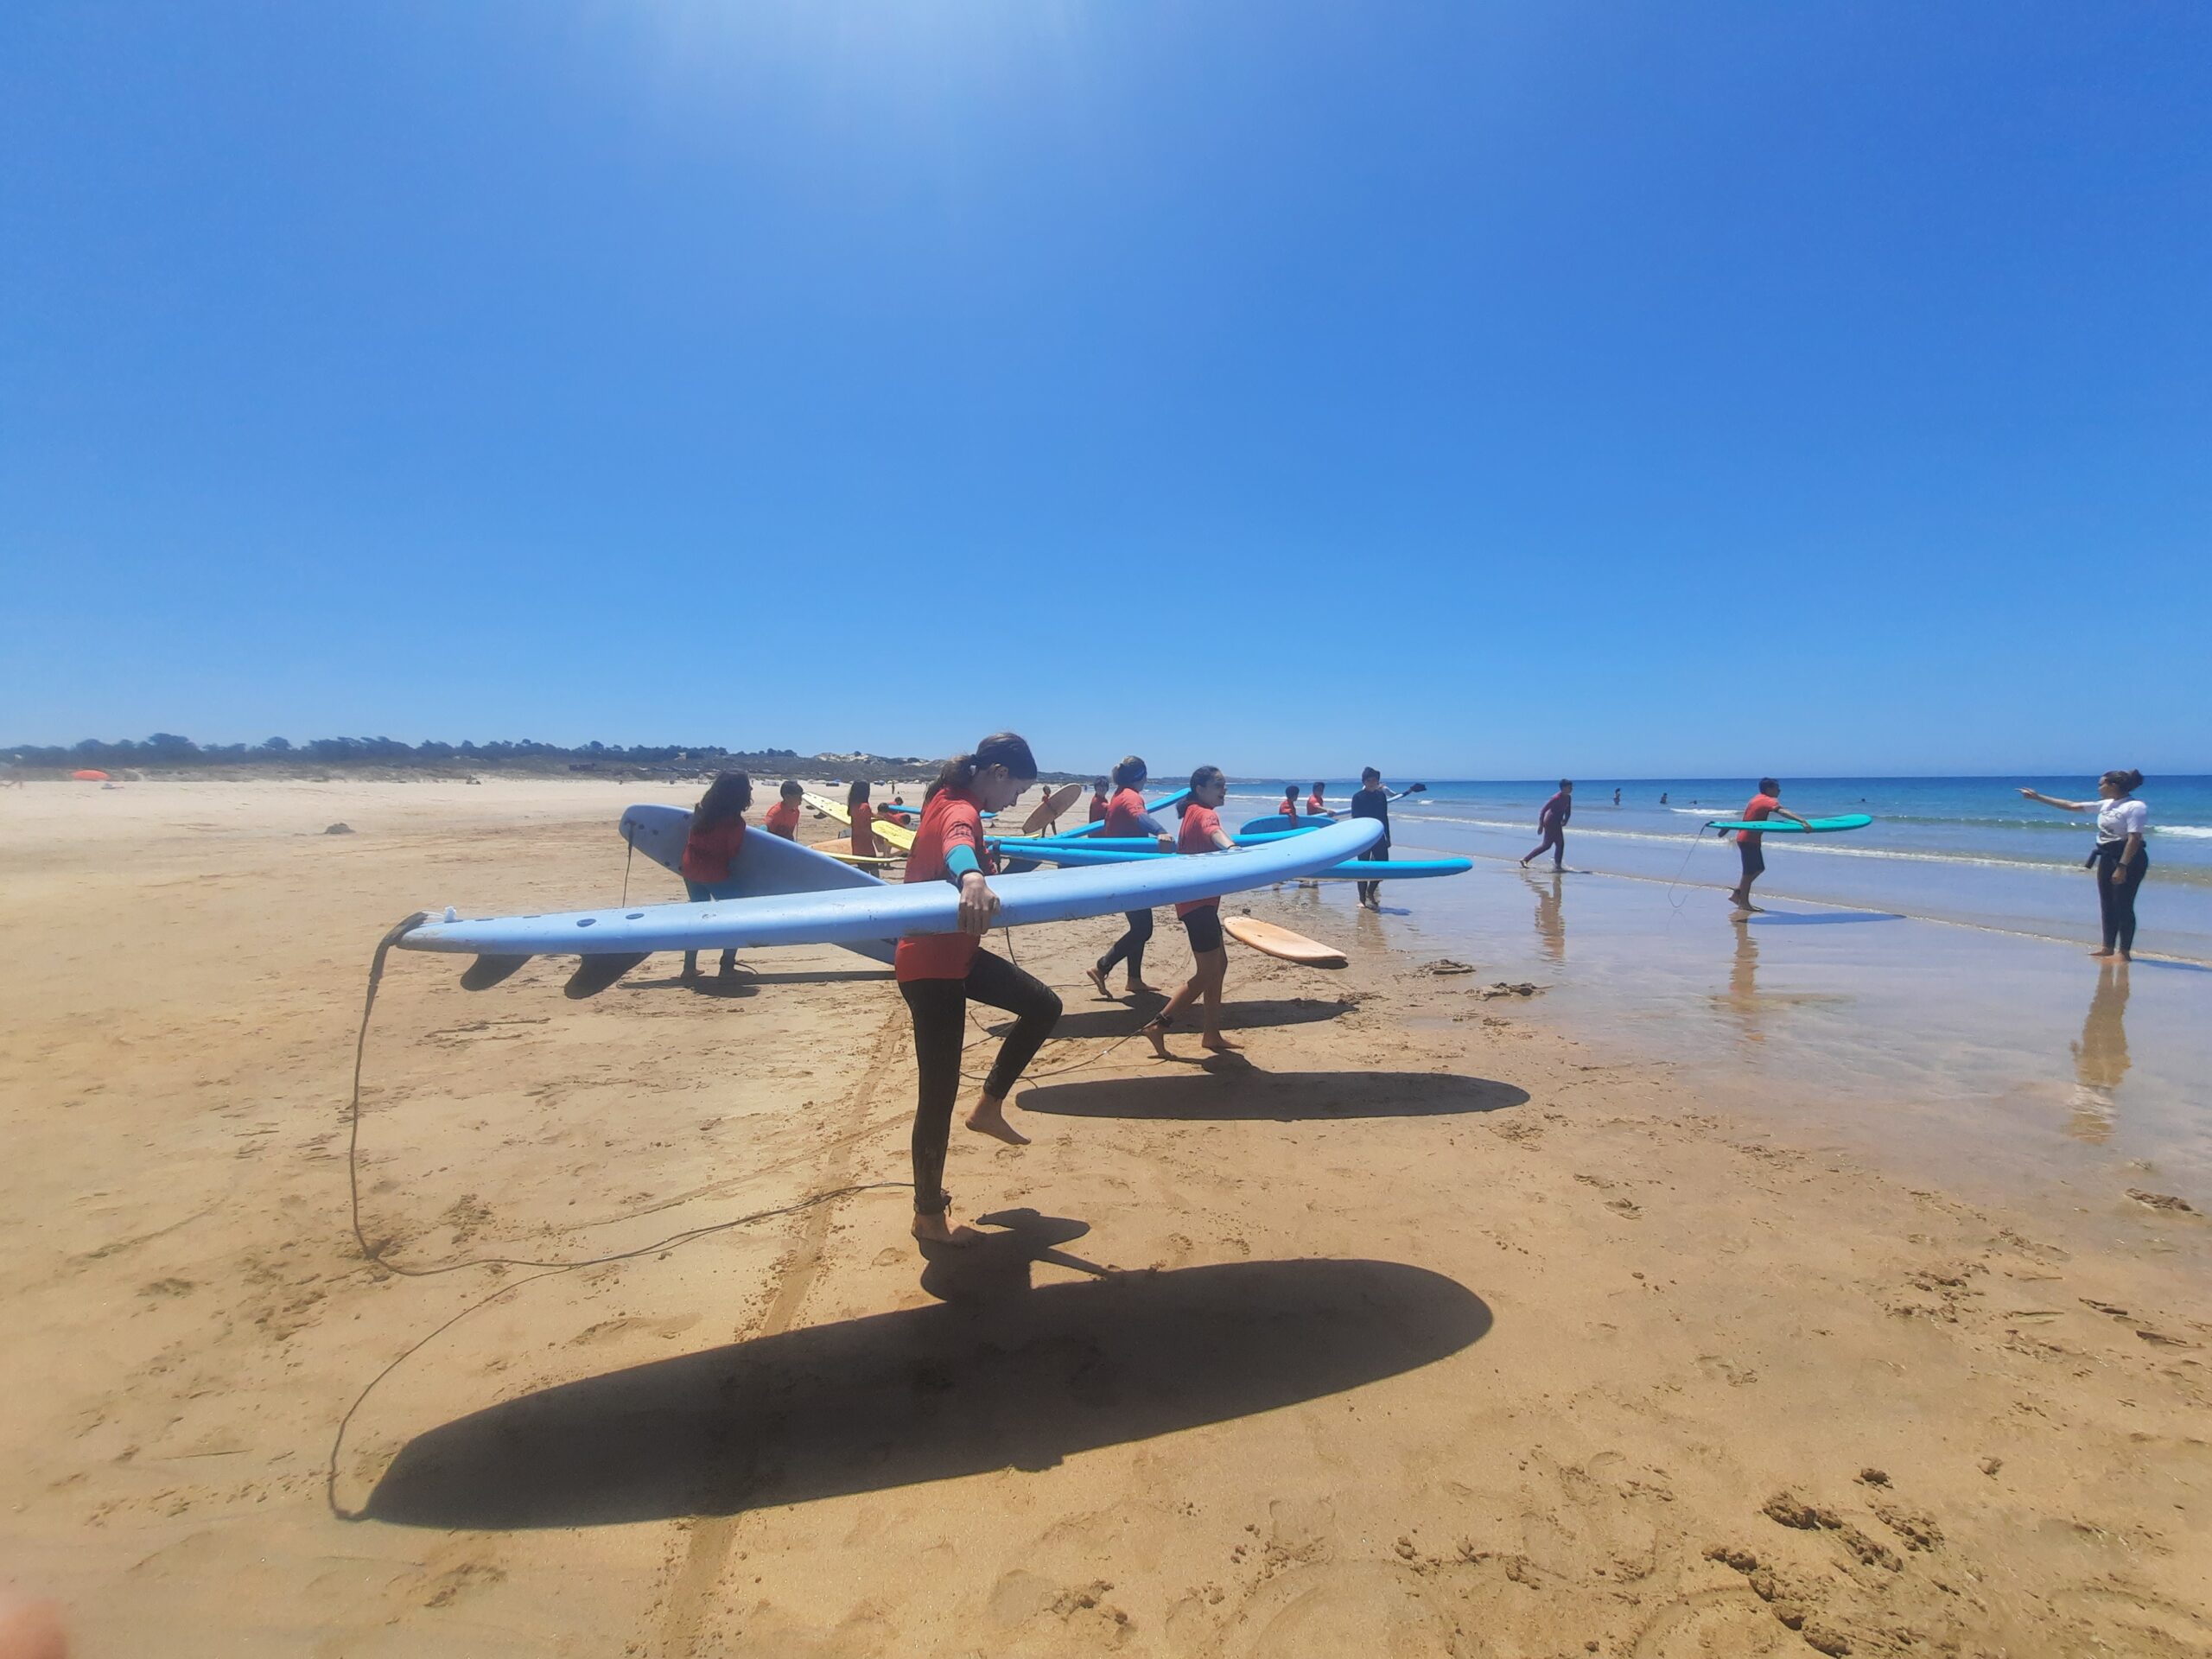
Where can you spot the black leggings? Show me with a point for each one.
(940, 1011)
(2116, 885)
(1375, 855)
(1129, 947)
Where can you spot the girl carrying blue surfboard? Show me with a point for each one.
(717, 831)
(1201, 832)
(1125, 815)
(938, 973)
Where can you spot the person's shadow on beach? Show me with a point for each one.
(997, 1265)
(1011, 1378)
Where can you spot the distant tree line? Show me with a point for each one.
(166, 752)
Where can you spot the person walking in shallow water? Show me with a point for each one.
(2120, 859)
(1551, 825)
(1761, 806)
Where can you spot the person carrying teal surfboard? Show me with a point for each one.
(1767, 803)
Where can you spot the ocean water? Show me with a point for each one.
(1966, 851)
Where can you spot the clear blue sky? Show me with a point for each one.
(1484, 390)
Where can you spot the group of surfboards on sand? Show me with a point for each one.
(939, 974)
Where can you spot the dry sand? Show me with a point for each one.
(1418, 1333)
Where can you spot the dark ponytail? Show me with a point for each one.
(1203, 776)
(1130, 773)
(2129, 780)
(857, 794)
(1008, 750)
(729, 795)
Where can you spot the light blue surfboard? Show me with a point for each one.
(855, 915)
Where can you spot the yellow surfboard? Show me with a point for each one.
(894, 835)
(842, 850)
(1270, 940)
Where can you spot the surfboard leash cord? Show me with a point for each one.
(375, 1256)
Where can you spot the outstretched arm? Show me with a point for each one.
(1784, 812)
(2053, 800)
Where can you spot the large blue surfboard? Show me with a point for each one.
(864, 914)
(1380, 869)
(764, 866)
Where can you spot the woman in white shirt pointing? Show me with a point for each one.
(2120, 860)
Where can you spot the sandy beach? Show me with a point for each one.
(1446, 1320)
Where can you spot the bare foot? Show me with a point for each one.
(990, 1118)
(1099, 980)
(2101, 953)
(1157, 1036)
(1216, 1041)
(1138, 988)
(934, 1230)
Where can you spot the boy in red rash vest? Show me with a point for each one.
(1290, 801)
(1761, 806)
(1201, 833)
(1315, 806)
(940, 973)
(783, 817)
(717, 833)
(1125, 816)
(1098, 801)
(863, 817)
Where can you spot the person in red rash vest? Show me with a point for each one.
(940, 973)
(1201, 833)
(717, 832)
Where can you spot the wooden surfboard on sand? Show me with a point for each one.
(1049, 810)
(842, 850)
(1270, 940)
(898, 835)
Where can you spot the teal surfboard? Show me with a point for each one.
(1784, 827)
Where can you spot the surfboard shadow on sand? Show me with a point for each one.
(1232, 1091)
(1022, 1379)
(1255, 1013)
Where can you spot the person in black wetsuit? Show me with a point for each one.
(1551, 824)
(1373, 801)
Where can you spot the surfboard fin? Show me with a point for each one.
(485, 972)
(595, 973)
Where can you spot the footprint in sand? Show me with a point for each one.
(1730, 1621)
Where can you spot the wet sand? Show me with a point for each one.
(1442, 1321)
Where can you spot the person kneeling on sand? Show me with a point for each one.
(1201, 918)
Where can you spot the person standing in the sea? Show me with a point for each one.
(1765, 805)
(2120, 859)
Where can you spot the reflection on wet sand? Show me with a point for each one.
(2100, 1057)
(1551, 919)
(1744, 983)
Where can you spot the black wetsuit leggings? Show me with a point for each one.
(940, 1011)
(2116, 885)
(1129, 947)
(1372, 891)
(1556, 839)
